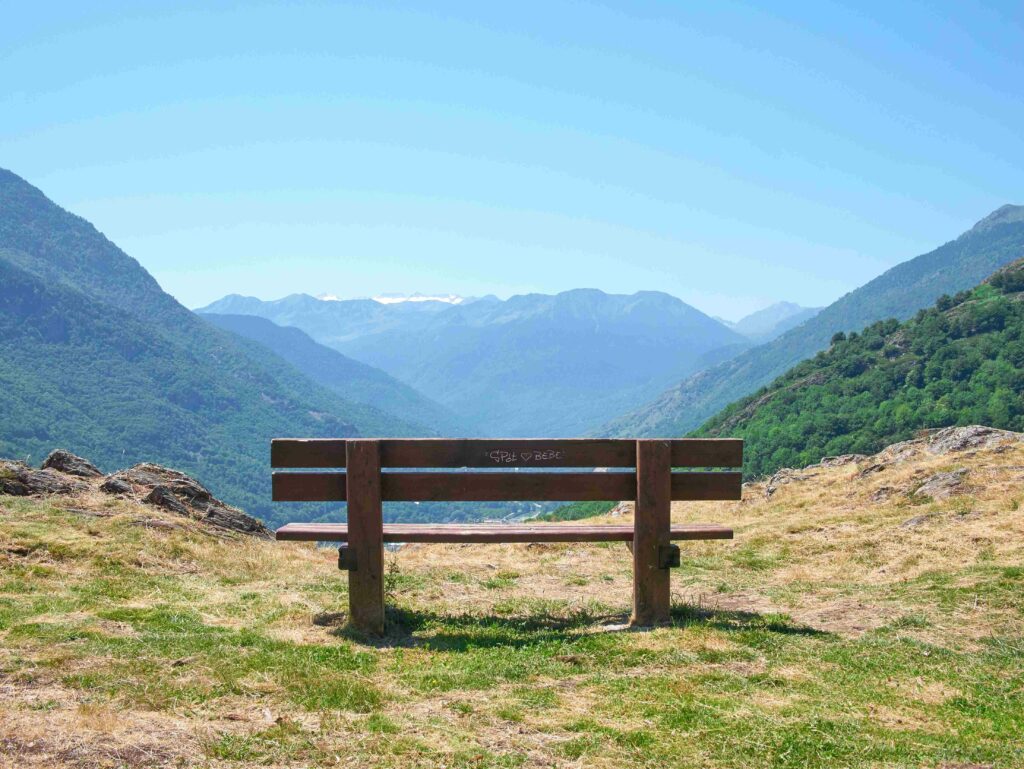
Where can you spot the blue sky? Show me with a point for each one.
(730, 154)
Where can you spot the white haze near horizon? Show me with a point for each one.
(456, 299)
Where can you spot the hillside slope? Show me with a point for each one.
(349, 378)
(96, 358)
(961, 362)
(853, 622)
(898, 293)
(534, 365)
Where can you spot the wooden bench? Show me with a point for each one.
(366, 472)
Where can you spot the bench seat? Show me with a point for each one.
(496, 532)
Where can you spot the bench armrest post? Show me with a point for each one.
(366, 536)
(652, 533)
(346, 559)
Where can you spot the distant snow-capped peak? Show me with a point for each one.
(397, 298)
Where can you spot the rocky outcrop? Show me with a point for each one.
(161, 496)
(948, 440)
(71, 464)
(839, 461)
(944, 485)
(181, 494)
(113, 485)
(785, 476)
(953, 439)
(64, 474)
(621, 509)
(19, 480)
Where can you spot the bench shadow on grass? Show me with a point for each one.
(438, 631)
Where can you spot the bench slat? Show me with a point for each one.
(495, 533)
(486, 452)
(505, 487)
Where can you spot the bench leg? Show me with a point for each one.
(365, 536)
(652, 533)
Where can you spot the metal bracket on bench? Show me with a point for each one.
(346, 559)
(668, 557)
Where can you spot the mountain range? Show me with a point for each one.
(898, 293)
(531, 365)
(97, 359)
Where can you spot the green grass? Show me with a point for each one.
(169, 625)
(501, 580)
(576, 511)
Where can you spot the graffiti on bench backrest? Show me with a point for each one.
(508, 457)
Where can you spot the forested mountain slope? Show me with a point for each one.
(958, 265)
(349, 378)
(96, 358)
(959, 363)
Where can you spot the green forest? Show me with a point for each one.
(960, 362)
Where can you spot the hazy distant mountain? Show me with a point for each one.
(534, 364)
(349, 378)
(97, 359)
(330, 321)
(764, 325)
(956, 266)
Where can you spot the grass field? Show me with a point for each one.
(851, 623)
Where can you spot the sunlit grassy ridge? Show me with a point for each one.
(831, 632)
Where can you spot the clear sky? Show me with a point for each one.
(730, 154)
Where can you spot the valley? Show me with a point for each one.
(97, 359)
(532, 366)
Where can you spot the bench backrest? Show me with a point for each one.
(709, 474)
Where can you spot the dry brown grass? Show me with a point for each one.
(827, 531)
(830, 551)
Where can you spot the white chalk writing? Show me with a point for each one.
(511, 457)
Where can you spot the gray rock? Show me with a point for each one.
(227, 517)
(71, 464)
(623, 508)
(161, 496)
(882, 494)
(65, 473)
(917, 520)
(843, 459)
(953, 439)
(115, 485)
(943, 485)
(897, 452)
(785, 476)
(19, 480)
(871, 470)
(181, 494)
